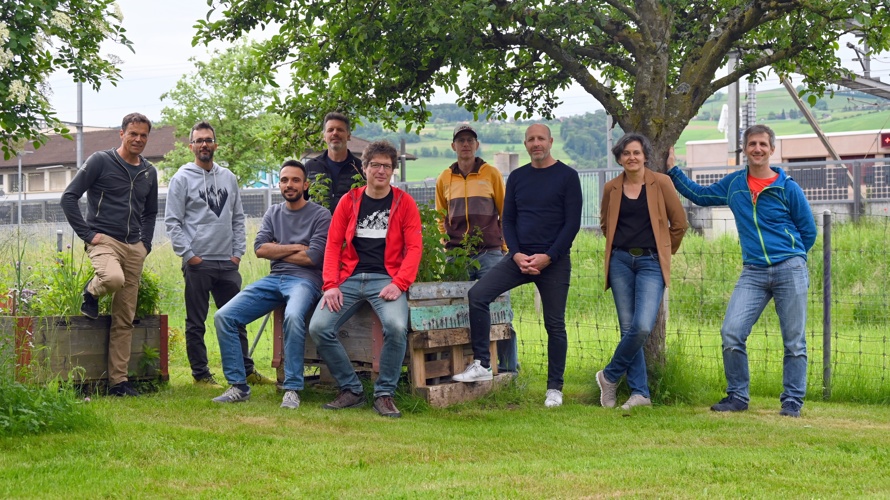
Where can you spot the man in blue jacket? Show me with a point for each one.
(776, 230)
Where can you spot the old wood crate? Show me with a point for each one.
(438, 342)
(46, 347)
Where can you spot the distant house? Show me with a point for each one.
(48, 170)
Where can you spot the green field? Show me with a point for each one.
(835, 119)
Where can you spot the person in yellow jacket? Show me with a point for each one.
(471, 193)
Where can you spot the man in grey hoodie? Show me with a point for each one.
(205, 223)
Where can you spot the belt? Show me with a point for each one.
(639, 252)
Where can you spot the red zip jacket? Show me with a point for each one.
(404, 242)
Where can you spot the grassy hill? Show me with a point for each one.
(846, 111)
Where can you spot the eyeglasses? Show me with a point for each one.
(375, 166)
(207, 141)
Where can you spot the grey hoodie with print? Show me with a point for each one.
(203, 214)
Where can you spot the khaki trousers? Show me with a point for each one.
(118, 267)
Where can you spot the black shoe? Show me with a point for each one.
(90, 306)
(790, 409)
(730, 403)
(122, 389)
(346, 399)
(386, 407)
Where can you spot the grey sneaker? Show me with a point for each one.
(346, 399)
(636, 400)
(553, 398)
(290, 400)
(233, 395)
(608, 396)
(257, 378)
(475, 372)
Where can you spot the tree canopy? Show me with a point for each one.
(226, 92)
(650, 63)
(38, 37)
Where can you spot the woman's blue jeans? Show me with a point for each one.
(637, 287)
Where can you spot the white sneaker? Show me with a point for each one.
(290, 400)
(636, 400)
(553, 399)
(475, 372)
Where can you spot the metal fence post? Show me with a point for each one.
(857, 190)
(826, 304)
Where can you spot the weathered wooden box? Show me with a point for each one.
(76, 348)
(438, 341)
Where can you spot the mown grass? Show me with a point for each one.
(176, 443)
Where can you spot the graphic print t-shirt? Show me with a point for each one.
(370, 234)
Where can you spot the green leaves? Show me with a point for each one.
(650, 64)
(75, 31)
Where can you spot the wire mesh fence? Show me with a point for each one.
(848, 315)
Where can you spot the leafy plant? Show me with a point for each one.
(320, 190)
(437, 263)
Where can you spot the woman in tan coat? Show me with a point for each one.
(643, 222)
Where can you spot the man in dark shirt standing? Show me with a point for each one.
(337, 164)
(542, 215)
(122, 204)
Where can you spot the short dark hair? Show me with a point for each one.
(759, 129)
(135, 118)
(202, 125)
(334, 115)
(628, 138)
(294, 163)
(378, 148)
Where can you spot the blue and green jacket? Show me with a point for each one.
(777, 227)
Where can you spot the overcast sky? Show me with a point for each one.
(161, 31)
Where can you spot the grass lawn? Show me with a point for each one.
(178, 444)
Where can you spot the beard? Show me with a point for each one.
(292, 196)
(205, 155)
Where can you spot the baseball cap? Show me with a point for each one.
(463, 127)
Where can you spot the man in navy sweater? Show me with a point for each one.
(542, 215)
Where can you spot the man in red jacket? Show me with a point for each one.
(372, 253)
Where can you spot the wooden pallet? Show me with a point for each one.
(438, 342)
(437, 355)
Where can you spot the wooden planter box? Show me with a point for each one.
(47, 347)
(438, 342)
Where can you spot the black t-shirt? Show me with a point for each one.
(634, 228)
(338, 167)
(370, 234)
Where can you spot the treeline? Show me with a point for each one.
(584, 139)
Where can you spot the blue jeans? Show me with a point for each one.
(637, 287)
(393, 315)
(553, 285)
(266, 294)
(508, 352)
(786, 283)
